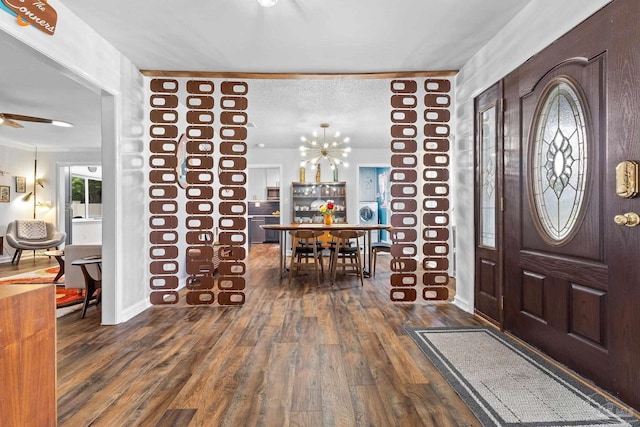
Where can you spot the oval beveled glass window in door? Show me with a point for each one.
(559, 160)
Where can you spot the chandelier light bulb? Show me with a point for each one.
(303, 138)
(347, 139)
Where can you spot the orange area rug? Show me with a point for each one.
(64, 297)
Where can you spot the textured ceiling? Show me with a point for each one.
(295, 36)
(316, 36)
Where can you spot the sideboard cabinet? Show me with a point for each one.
(307, 197)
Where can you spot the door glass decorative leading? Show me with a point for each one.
(488, 141)
(559, 163)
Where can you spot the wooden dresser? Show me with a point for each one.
(27, 355)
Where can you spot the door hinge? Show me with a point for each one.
(502, 105)
(502, 302)
(501, 204)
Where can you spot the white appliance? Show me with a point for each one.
(368, 214)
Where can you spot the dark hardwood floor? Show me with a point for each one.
(293, 355)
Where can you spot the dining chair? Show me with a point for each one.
(375, 249)
(306, 253)
(346, 256)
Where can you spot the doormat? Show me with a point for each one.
(505, 384)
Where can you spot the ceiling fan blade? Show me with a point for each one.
(8, 122)
(22, 118)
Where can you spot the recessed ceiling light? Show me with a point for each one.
(261, 145)
(267, 3)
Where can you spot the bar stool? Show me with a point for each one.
(342, 252)
(375, 248)
(307, 254)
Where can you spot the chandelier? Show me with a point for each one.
(332, 150)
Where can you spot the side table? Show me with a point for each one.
(93, 285)
(59, 256)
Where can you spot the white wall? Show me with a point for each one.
(537, 26)
(15, 162)
(77, 51)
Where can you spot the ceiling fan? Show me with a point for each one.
(11, 120)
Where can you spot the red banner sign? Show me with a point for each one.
(39, 13)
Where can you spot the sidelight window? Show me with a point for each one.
(488, 178)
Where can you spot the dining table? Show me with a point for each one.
(284, 228)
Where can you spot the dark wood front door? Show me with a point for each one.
(488, 201)
(572, 276)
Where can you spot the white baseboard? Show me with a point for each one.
(131, 312)
(462, 304)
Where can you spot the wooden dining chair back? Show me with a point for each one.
(306, 253)
(376, 248)
(345, 256)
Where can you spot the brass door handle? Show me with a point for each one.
(630, 219)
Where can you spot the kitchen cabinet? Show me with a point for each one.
(260, 181)
(272, 236)
(256, 232)
(273, 177)
(256, 184)
(307, 197)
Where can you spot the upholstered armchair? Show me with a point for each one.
(32, 235)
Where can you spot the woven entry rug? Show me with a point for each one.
(64, 297)
(505, 384)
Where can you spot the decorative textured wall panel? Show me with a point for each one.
(435, 191)
(186, 202)
(163, 207)
(233, 177)
(196, 163)
(404, 190)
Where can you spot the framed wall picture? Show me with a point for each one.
(21, 184)
(5, 193)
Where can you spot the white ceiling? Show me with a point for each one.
(294, 36)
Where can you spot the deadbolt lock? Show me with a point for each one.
(627, 179)
(630, 219)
